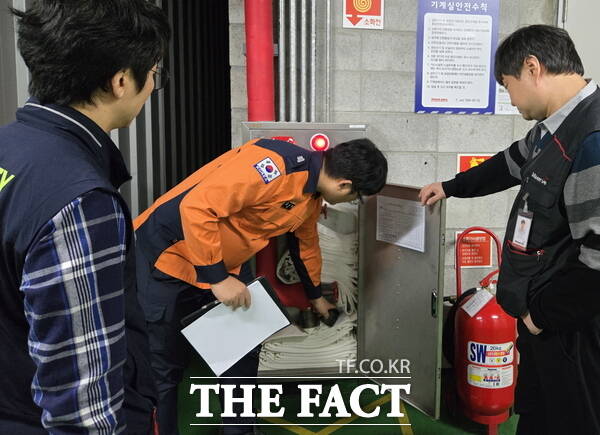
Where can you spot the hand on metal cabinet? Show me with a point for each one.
(431, 194)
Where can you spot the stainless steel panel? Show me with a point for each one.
(14, 75)
(159, 181)
(22, 71)
(134, 184)
(396, 284)
(124, 145)
(302, 132)
(146, 150)
(8, 69)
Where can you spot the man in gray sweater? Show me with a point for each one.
(550, 273)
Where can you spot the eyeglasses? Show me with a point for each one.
(161, 78)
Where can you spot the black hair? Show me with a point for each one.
(73, 48)
(551, 45)
(359, 161)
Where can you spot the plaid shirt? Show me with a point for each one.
(74, 303)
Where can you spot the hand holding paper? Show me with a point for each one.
(223, 336)
(232, 292)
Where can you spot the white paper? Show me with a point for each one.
(477, 302)
(456, 60)
(401, 222)
(503, 104)
(223, 336)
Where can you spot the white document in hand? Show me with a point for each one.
(223, 336)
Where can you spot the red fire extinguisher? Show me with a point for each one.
(485, 357)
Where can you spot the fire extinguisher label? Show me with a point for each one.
(490, 354)
(490, 377)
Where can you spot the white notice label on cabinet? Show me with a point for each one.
(401, 222)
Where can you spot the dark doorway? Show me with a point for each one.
(197, 99)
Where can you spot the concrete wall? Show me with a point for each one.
(237, 39)
(373, 75)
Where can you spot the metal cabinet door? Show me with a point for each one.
(302, 132)
(400, 301)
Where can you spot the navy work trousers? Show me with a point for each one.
(558, 386)
(165, 301)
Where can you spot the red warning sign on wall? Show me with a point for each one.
(363, 14)
(467, 161)
(475, 249)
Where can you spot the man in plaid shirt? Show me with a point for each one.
(74, 303)
(73, 349)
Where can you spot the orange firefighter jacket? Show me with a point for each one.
(208, 225)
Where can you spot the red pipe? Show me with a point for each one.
(259, 60)
(261, 107)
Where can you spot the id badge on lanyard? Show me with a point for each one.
(520, 236)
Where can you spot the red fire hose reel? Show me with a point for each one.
(290, 295)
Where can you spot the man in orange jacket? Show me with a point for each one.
(201, 233)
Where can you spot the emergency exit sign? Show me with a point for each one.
(362, 14)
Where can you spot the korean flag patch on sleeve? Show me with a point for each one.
(268, 170)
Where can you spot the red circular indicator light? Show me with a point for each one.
(319, 142)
